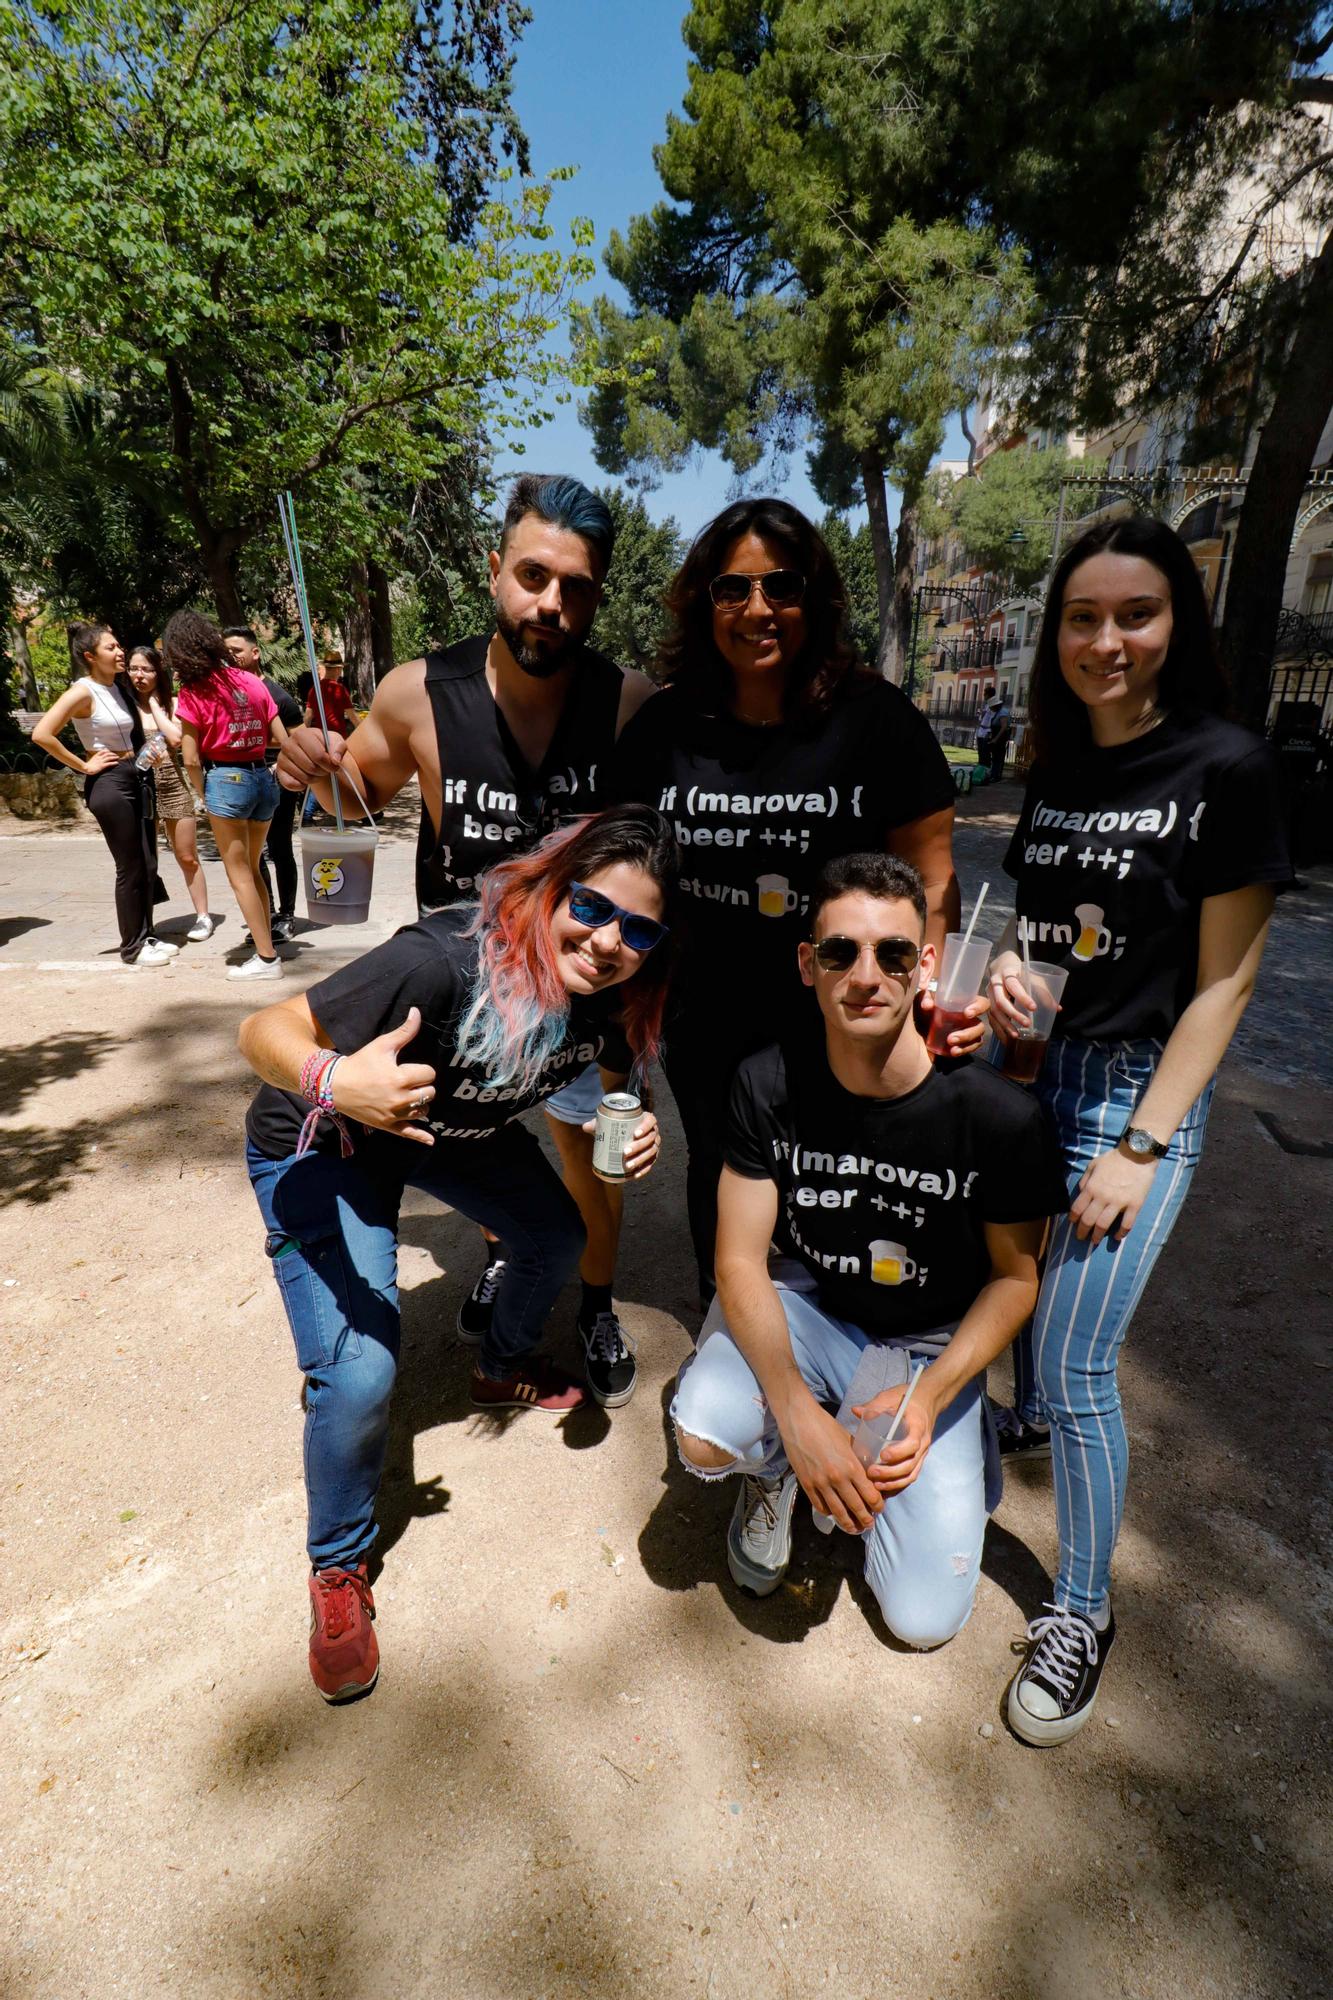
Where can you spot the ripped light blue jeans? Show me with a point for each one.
(1065, 1361)
(923, 1552)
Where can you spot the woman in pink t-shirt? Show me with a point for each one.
(228, 719)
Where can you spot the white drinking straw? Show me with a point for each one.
(901, 1410)
(976, 912)
(287, 516)
(1027, 955)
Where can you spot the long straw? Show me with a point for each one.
(976, 912)
(287, 516)
(901, 1410)
(1027, 955)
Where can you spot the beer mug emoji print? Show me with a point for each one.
(1088, 917)
(890, 1264)
(777, 898)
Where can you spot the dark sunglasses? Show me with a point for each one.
(590, 907)
(781, 587)
(898, 957)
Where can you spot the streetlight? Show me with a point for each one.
(937, 590)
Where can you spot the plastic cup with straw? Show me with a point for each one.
(337, 863)
(962, 974)
(873, 1436)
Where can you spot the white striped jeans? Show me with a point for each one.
(1065, 1361)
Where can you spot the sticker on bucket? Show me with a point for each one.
(327, 877)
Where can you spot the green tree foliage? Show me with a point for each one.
(632, 615)
(1004, 514)
(853, 553)
(792, 293)
(261, 233)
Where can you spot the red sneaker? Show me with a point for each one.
(344, 1658)
(534, 1385)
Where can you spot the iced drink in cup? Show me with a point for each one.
(962, 970)
(338, 864)
(1025, 1052)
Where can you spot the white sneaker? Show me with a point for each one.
(153, 953)
(256, 968)
(201, 929)
(160, 944)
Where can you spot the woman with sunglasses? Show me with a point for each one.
(409, 1068)
(772, 751)
(1147, 855)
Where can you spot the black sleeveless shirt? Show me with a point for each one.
(492, 803)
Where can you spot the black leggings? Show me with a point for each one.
(278, 850)
(118, 800)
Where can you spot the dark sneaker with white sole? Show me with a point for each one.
(609, 1364)
(759, 1537)
(474, 1315)
(534, 1385)
(1053, 1696)
(344, 1657)
(1018, 1438)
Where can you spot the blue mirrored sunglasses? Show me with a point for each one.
(590, 907)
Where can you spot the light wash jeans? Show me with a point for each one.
(923, 1552)
(1065, 1361)
(333, 1238)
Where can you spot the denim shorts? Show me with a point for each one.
(578, 1101)
(240, 791)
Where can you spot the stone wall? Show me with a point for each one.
(42, 795)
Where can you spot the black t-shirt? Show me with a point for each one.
(429, 965)
(290, 711)
(1114, 853)
(884, 1199)
(759, 811)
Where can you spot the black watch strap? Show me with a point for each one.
(1146, 1148)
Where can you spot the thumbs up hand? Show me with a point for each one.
(375, 1088)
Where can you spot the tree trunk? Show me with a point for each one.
(358, 640)
(904, 582)
(889, 658)
(1278, 476)
(220, 565)
(381, 620)
(29, 693)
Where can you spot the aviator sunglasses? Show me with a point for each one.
(895, 956)
(590, 907)
(779, 588)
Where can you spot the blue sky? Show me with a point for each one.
(593, 86)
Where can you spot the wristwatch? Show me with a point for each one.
(1142, 1145)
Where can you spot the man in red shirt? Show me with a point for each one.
(337, 697)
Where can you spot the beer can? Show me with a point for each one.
(617, 1115)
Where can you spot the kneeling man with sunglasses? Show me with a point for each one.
(908, 1206)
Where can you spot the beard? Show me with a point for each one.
(541, 662)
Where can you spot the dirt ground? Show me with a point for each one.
(591, 1766)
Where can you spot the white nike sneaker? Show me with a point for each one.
(201, 929)
(256, 968)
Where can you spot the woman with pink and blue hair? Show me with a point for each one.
(410, 1068)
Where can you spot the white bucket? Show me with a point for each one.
(338, 869)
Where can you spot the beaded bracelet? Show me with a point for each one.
(317, 1089)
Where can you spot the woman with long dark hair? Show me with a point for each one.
(1147, 856)
(228, 718)
(409, 1068)
(100, 703)
(155, 697)
(772, 751)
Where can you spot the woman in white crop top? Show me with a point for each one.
(100, 703)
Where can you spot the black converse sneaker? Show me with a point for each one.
(1018, 1438)
(609, 1365)
(1053, 1696)
(474, 1315)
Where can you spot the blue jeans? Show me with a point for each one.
(923, 1552)
(1065, 1361)
(333, 1238)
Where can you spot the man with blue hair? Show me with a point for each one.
(508, 734)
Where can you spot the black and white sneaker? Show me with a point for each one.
(1019, 1439)
(609, 1366)
(474, 1315)
(1054, 1694)
(283, 928)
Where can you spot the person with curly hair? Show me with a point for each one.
(772, 751)
(228, 718)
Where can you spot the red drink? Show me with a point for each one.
(1024, 1056)
(943, 1023)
